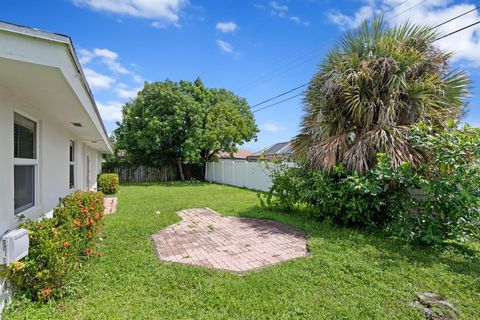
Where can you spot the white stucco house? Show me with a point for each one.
(51, 134)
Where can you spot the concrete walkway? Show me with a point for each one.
(208, 239)
(110, 204)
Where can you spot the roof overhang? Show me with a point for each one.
(43, 70)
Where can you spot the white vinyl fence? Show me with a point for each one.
(240, 173)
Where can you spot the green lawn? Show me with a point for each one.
(348, 275)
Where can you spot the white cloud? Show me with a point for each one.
(98, 81)
(465, 44)
(277, 7)
(272, 127)
(105, 53)
(115, 66)
(281, 10)
(163, 24)
(350, 22)
(109, 58)
(124, 92)
(137, 78)
(225, 46)
(111, 111)
(85, 56)
(298, 20)
(167, 11)
(226, 27)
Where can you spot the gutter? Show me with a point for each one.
(66, 40)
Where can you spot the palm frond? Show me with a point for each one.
(371, 88)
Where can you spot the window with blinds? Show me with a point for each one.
(24, 137)
(72, 164)
(25, 162)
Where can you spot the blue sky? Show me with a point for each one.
(255, 48)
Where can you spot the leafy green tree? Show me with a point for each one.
(184, 122)
(369, 91)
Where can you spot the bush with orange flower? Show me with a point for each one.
(58, 246)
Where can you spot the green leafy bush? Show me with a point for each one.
(108, 183)
(58, 246)
(440, 200)
(336, 196)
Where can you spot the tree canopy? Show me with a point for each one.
(183, 122)
(369, 91)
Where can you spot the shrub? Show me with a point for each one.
(440, 200)
(336, 196)
(108, 183)
(58, 246)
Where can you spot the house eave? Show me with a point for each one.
(65, 40)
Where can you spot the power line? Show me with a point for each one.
(393, 8)
(301, 60)
(410, 8)
(278, 102)
(458, 30)
(277, 96)
(276, 72)
(454, 18)
(305, 84)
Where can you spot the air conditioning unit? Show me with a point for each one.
(14, 246)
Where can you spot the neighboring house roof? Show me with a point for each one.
(278, 149)
(35, 53)
(240, 154)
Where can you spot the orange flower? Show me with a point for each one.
(99, 254)
(92, 208)
(66, 244)
(97, 216)
(89, 251)
(78, 223)
(47, 291)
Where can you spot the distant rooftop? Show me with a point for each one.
(240, 154)
(281, 148)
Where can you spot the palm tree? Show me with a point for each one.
(369, 91)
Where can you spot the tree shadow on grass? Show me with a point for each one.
(173, 184)
(461, 258)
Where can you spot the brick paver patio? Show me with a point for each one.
(110, 204)
(206, 238)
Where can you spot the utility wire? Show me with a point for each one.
(454, 18)
(277, 96)
(305, 84)
(277, 71)
(406, 10)
(393, 8)
(278, 102)
(458, 30)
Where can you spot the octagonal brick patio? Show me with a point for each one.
(208, 239)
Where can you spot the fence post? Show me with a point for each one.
(206, 171)
(223, 174)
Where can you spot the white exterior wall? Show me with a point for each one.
(240, 173)
(53, 177)
(53, 162)
(41, 78)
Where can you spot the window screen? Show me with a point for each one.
(24, 187)
(24, 138)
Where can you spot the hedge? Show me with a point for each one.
(58, 246)
(108, 183)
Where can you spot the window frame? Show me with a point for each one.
(29, 162)
(72, 163)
